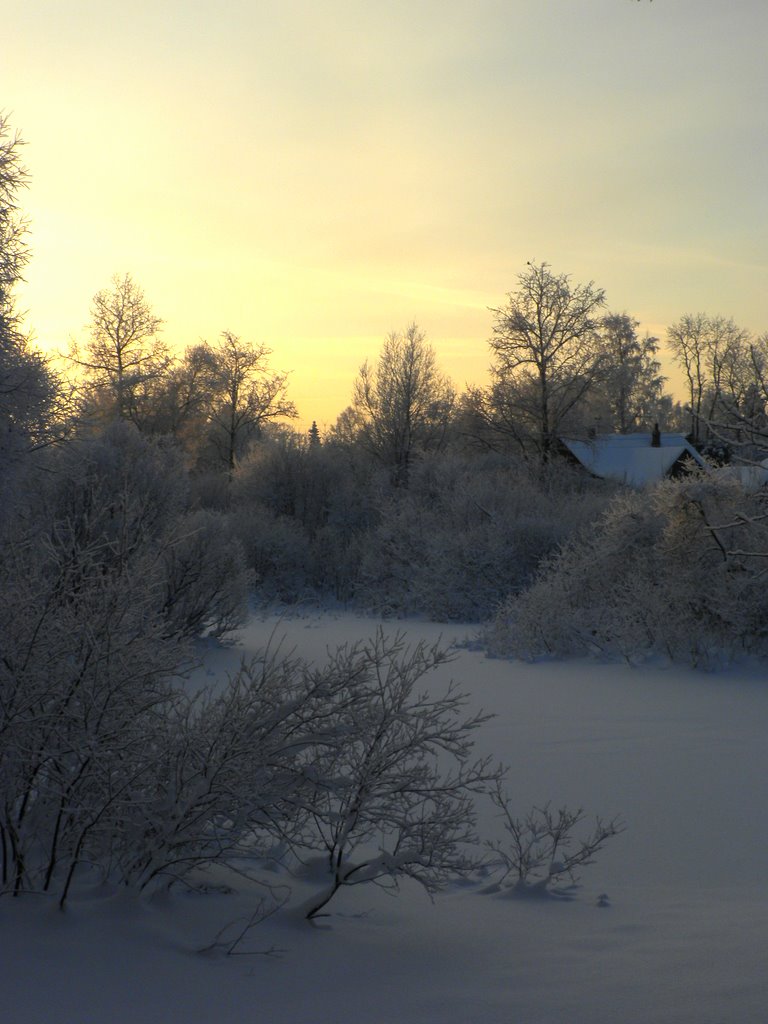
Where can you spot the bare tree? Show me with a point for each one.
(244, 395)
(546, 355)
(124, 352)
(631, 385)
(178, 403)
(30, 393)
(403, 404)
(715, 355)
(14, 251)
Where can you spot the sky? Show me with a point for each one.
(312, 176)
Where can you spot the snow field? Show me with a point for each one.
(681, 756)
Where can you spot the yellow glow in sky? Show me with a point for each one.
(312, 176)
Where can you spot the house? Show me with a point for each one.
(635, 459)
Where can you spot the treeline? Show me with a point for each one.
(213, 402)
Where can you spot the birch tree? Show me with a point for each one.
(124, 353)
(244, 395)
(631, 384)
(546, 355)
(402, 404)
(715, 355)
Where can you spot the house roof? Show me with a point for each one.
(630, 458)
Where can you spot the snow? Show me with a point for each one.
(669, 923)
(751, 478)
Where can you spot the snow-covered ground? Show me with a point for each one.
(681, 756)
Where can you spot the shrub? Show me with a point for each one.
(675, 571)
(467, 533)
(543, 847)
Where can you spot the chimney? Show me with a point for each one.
(656, 436)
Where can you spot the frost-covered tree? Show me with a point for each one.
(735, 415)
(402, 405)
(124, 355)
(84, 653)
(106, 575)
(14, 251)
(628, 395)
(546, 356)
(715, 355)
(30, 410)
(243, 395)
(29, 390)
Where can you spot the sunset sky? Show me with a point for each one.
(312, 174)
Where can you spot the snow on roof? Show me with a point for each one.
(630, 458)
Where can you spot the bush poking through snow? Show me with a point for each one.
(542, 849)
(394, 777)
(113, 768)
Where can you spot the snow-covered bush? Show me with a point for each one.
(675, 571)
(392, 773)
(468, 532)
(301, 513)
(291, 478)
(543, 847)
(225, 775)
(127, 498)
(276, 551)
(206, 582)
(105, 575)
(83, 677)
